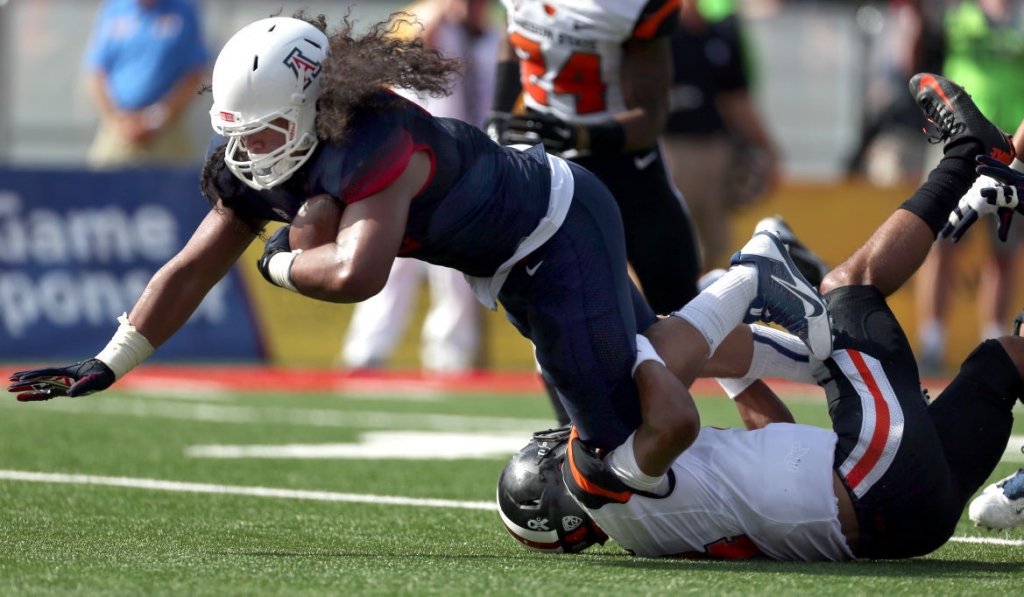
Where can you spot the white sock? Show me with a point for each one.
(722, 306)
(779, 354)
(622, 462)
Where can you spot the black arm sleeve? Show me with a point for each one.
(507, 86)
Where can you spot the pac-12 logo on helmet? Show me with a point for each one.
(304, 68)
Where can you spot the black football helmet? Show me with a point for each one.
(536, 506)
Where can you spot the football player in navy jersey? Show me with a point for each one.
(295, 121)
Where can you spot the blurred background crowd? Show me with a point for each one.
(817, 125)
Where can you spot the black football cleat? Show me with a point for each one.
(957, 119)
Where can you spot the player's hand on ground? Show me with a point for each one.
(277, 243)
(80, 379)
(996, 191)
(534, 127)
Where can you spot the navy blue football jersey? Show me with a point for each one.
(481, 199)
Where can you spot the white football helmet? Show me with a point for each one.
(267, 71)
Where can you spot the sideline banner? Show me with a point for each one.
(76, 250)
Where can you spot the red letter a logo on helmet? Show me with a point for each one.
(305, 69)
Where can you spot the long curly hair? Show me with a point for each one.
(356, 70)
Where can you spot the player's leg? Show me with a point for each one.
(896, 250)
(973, 413)
(764, 283)
(888, 453)
(755, 352)
(974, 418)
(661, 242)
(573, 298)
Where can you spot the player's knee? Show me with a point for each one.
(849, 273)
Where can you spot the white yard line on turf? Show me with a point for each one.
(296, 494)
(406, 445)
(228, 413)
(988, 541)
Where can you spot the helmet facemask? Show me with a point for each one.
(267, 170)
(267, 77)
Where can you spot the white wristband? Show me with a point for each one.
(126, 349)
(1017, 165)
(645, 352)
(734, 386)
(280, 269)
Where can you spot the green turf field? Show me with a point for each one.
(210, 493)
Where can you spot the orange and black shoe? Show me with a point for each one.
(957, 119)
(588, 478)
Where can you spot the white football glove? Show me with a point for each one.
(987, 196)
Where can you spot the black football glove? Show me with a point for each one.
(277, 243)
(80, 379)
(533, 128)
(997, 194)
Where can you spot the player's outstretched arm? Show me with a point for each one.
(169, 299)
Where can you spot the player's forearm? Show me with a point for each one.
(646, 79)
(177, 288)
(170, 298)
(670, 421)
(1018, 138)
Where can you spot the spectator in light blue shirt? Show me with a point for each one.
(145, 61)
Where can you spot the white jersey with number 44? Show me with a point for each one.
(570, 51)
